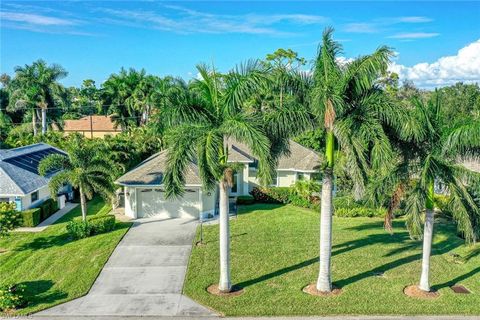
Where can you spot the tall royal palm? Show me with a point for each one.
(209, 114)
(84, 168)
(434, 153)
(36, 86)
(348, 103)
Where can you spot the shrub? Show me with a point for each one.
(271, 195)
(346, 202)
(9, 217)
(78, 229)
(31, 217)
(48, 208)
(360, 212)
(245, 199)
(101, 223)
(11, 297)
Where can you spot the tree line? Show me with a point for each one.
(383, 142)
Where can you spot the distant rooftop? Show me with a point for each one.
(91, 123)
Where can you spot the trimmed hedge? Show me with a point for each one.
(345, 206)
(360, 212)
(245, 199)
(48, 208)
(78, 229)
(31, 217)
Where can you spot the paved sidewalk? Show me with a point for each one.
(50, 220)
(143, 277)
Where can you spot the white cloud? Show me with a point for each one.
(185, 21)
(464, 66)
(414, 35)
(414, 19)
(361, 27)
(34, 19)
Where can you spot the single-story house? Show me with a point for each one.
(145, 195)
(20, 181)
(94, 126)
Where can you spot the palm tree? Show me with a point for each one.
(434, 152)
(210, 114)
(36, 86)
(84, 168)
(348, 103)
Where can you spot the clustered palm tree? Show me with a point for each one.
(84, 169)
(36, 87)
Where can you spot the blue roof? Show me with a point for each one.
(19, 169)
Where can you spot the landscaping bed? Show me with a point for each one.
(51, 266)
(274, 255)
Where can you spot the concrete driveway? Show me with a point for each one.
(144, 276)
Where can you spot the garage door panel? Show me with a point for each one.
(153, 203)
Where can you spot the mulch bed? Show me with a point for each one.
(236, 291)
(311, 289)
(415, 292)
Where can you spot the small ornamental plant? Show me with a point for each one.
(12, 297)
(9, 218)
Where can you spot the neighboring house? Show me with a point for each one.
(94, 126)
(19, 178)
(145, 195)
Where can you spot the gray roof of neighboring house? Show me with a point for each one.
(19, 169)
(152, 170)
(299, 158)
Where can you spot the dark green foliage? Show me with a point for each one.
(97, 224)
(12, 297)
(78, 229)
(245, 199)
(31, 217)
(360, 212)
(9, 218)
(48, 207)
(101, 224)
(271, 195)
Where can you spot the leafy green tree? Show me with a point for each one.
(431, 156)
(36, 87)
(199, 132)
(353, 110)
(9, 218)
(84, 168)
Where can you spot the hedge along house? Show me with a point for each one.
(20, 181)
(145, 195)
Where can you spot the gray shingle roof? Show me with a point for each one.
(151, 172)
(19, 169)
(299, 158)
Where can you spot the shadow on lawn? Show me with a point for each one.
(457, 280)
(45, 242)
(40, 292)
(277, 273)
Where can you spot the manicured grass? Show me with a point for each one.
(275, 254)
(53, 267)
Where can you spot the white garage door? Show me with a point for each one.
(152, 202)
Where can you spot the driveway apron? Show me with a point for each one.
(144, 276)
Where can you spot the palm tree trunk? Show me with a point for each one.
(44, 120)
(83, 205)
(34, 122)
(224, 284)
(324, 282)
(427, 239)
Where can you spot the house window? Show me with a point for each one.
(4, 200)
(274, 180)
(34, 196)
(301, 176)
(253, 165)
(317, 176)
(234, 188)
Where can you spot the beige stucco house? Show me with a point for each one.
(144, 193)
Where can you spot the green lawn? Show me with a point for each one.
(275, 254)
(53, 267)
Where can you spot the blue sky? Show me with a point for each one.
(93, 39)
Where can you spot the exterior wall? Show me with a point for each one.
(43, 194)
(130, 203)
(96, 134)
(208, 203)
